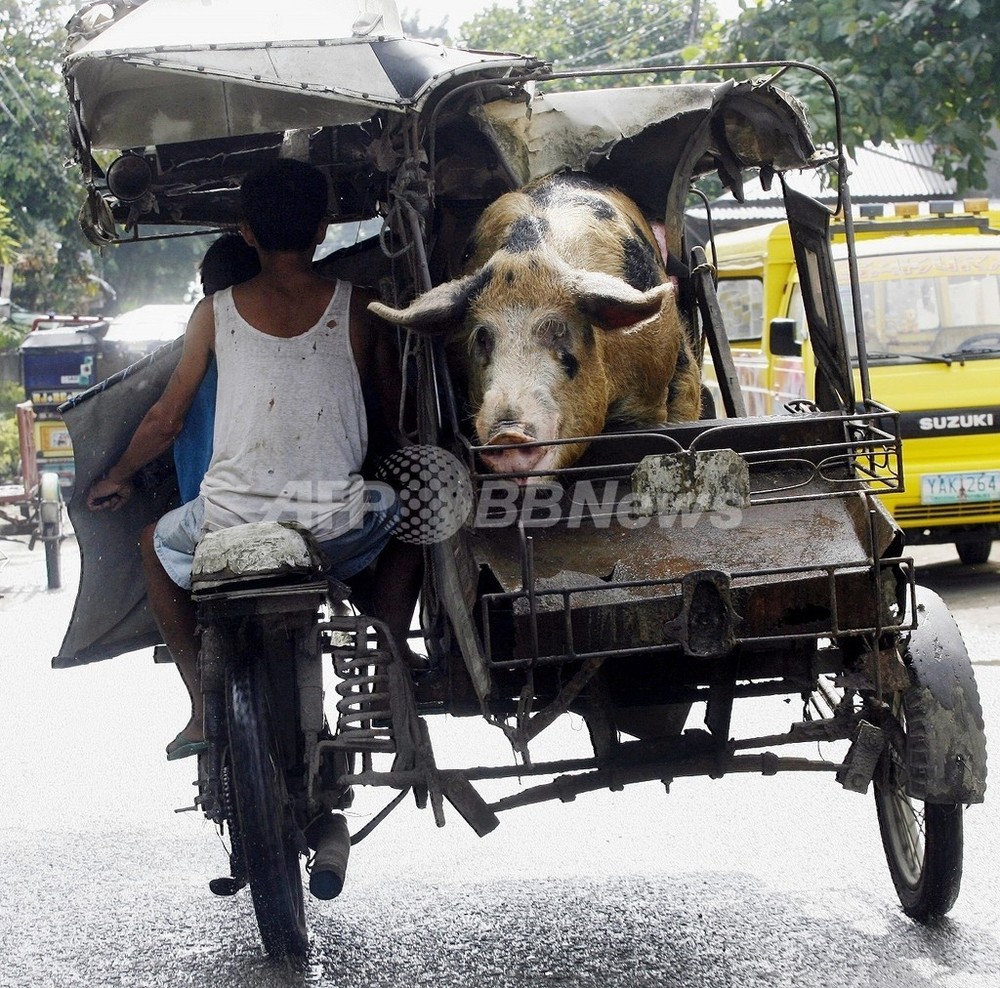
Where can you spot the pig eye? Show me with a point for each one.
(553, 333)
(481, 344)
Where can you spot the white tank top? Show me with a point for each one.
(290, 428)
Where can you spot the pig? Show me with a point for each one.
(566, 323)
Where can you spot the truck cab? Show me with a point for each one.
(929, 298)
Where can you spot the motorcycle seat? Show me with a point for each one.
(256, 551)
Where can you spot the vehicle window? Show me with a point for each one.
(797, 312)
(340, 235)
(742, 303)
(924, 304)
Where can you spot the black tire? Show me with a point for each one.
(923, 842)
(263, 825)
(53, 574)
(974, 553)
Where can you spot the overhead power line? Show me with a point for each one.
(6, 109)
(633, 35)
(17, 96)
(28, 92)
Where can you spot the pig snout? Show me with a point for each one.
(503, 454)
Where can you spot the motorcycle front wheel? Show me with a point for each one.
(264, 822)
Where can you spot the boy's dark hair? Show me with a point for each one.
(283, 202)
(229, 261)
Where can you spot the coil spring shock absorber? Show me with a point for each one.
(364, 710)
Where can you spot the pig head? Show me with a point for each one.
(566, 322)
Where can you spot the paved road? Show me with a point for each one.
(739, 883)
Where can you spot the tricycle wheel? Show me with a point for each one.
(50, 533)
(923, 841)
(935, 763)
(264, 826)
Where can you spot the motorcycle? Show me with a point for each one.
(588, 609)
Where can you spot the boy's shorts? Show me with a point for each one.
(178, 531)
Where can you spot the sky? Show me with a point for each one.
(432, 12)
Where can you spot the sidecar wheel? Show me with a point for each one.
(263, 814)
(927, 776)
(923, 842)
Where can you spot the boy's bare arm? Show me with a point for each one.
(164, 421)
(376, 355)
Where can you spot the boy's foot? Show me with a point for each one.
(183, 747)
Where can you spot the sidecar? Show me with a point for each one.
(671, 571)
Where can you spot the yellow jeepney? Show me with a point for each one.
(930, 297)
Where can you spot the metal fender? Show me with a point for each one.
(946, 739)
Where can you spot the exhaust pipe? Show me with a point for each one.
(331, 840)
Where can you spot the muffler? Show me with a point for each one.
(331, 840)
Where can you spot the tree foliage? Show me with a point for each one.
(413, 26)
(589, 34)
(55, 267)
(7, 241)
(10, 451)
(33, 144)
(920, 69)
(52, 263)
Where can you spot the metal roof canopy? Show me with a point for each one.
(652, 141)
(201, 128)
(225, 68)
(204, 90)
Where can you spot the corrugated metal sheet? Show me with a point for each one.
(906, 171)
(877, 174)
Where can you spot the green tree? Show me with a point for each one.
(589, 34)
(10, 451)
(920, 69)
(55, 266)
(8, 243)
(33, 140)
(53, 261)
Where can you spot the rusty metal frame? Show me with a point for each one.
(695, 753)
(866, 460)
(495, 602)
(870, 453)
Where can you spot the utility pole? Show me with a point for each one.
(693, 32)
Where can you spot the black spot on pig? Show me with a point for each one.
(639, 267)
(525, 233)
(569, 364)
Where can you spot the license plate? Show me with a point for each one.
(956, 488)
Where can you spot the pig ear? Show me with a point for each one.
(611, 303)
(436, 310)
